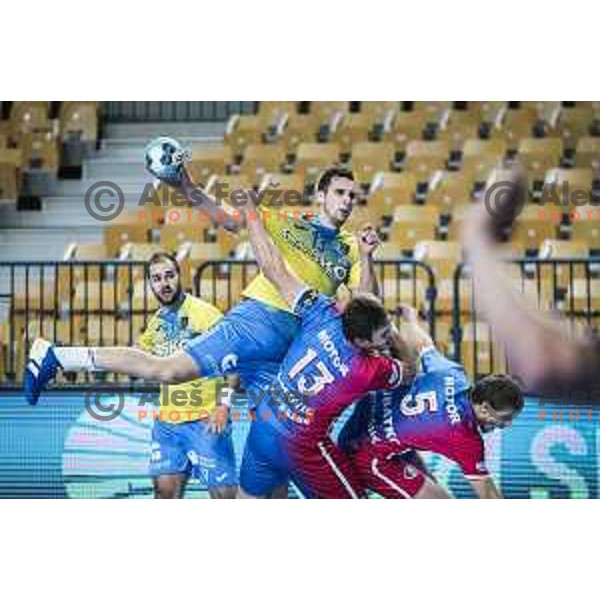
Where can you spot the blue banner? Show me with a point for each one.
(58, 450)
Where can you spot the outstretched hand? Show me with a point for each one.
(368, 240)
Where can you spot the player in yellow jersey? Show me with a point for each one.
(254, 336)
(191, 436)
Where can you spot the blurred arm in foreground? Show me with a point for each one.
(537, 345)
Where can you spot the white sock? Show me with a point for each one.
(76, 359)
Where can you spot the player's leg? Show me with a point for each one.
(281, 492)
(251, 334)
(169, 487)
(391, 476)
(212, 458)
(169, 465)
(263, 473)
(321, 470)
(45, 359)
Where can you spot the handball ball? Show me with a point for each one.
(165, 158)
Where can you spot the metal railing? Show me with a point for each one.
(402, 281)
(104, 303)
(569, 287)
(72, 303)
(146, 111)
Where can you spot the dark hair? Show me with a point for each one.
(363, 316)
(501, 392)
(327, 175)
(161, 256)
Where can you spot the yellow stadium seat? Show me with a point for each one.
(77, 251)
(28, 117)
(224, 293)
(583, 296)
(297, 129)
(412, 224)
(312, 159)
(97, 296)
(8, 181)
(406, 127)
(481, 156)
(533, 226)
(109, 331)
(19, 107)
(208, 160)
(444, 303)
(39, 151)
(172, 235)
(433, 108)
(272, 111)
(456, 126)
(365, 214)
(80, 120)
(379, 111)
(514, 125)
(122, 231)
(390, 189)
(325, 111)
(291, 181)
(588, 153)
(262, 158)
(423, 158)
(538, 155)
(449, 189)
(551, 249)
(488, 111)
(10, 156)
(370, 157)
(563, 249)
(577, 183)
(587, 228)
(479, 355)
(351, 128)
(574, 124)
(442, 257)
(243, 130)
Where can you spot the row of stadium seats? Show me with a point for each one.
(121, 288)
(33, 142)
(391, 121)
(421, 158)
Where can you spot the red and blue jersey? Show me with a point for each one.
(322, 372)
(433, 414)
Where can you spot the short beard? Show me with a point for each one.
(176, 297)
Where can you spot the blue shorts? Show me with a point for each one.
(251, 338)
(318, 468)
(190, 449)
(264, 464)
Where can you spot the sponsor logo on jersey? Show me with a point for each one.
(450, 395)
(334, 355)
(330, 265)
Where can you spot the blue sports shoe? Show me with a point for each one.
(40, 368)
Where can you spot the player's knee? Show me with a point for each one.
(432, 491)
(166, 489)
(178, 368)
(226, 492)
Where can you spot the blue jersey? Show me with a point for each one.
(434, 414)
(322, 373)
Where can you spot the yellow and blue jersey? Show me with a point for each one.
(167, 332)
(323, 258)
